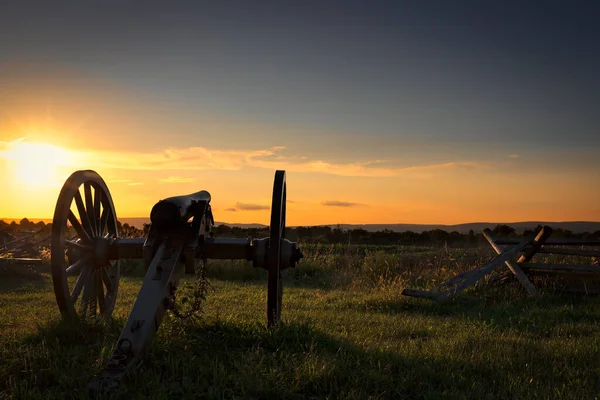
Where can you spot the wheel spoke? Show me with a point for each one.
(78, 246)
(78, 228)
(87, 270)
(92, 292)
(100, 293)
(89, 207)
(73, 269)
(83, 216)
(85, 297)
(104, 220)
(97, 204)
(107, 281)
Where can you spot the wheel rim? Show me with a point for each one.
(276, 233)
(87, 284)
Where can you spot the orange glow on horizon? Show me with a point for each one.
(33, 172)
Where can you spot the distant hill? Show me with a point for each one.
(477, 227)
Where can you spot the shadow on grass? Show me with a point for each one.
(525, 315)
(218, 359)
(18, 278)
(307, 275)
(259, 278)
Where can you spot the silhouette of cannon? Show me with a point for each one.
(86, 249)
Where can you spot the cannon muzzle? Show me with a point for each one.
(174, 211)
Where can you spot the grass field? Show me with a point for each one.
(347, 333)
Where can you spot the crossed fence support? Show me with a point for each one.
(516, 255)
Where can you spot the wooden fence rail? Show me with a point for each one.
(516, 255)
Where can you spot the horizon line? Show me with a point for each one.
(357, 224)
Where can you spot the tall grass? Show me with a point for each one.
(343, 266)
(346, 333)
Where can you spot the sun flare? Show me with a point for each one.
(35, 164)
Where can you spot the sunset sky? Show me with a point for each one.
(380, 112)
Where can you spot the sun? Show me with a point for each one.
(35, 164)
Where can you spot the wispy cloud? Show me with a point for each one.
(178, 159)
(513, 156)
(366, 169)
(251, 207)
(7, 145)
(230, 209)
(335, 203)
(176, 179)
(135, 184)
(201, 158)
(118, 180)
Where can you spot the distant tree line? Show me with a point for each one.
(337, 235)
(23, 225)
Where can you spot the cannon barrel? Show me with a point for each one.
(173, 211)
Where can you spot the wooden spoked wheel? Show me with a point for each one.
(85, 279)
(276, 233)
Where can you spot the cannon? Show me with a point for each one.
(86, 250)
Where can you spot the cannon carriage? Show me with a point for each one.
(86, 250)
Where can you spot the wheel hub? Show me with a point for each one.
(290, 253)
(101, 248)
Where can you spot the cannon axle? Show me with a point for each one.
(111, 249)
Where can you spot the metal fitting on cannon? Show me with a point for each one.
(289, 256)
